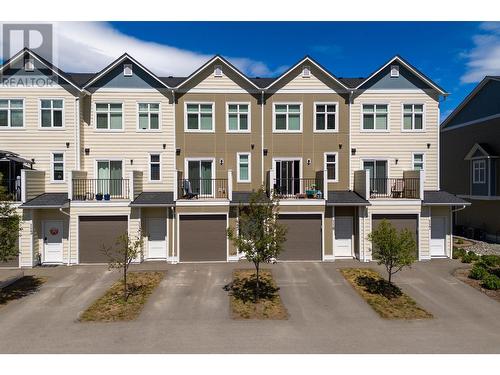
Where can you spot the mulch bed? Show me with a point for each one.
(23, 287)
(463, 275)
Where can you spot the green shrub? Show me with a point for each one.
(491, 282)
(458, 253)
(478, 273)
(473, 256)
(466, 258)
(490, 261)
(460, 241)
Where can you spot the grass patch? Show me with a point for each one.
(397, 306)
(463, 274)
(241, 292)
(112, 307)
(23, 287)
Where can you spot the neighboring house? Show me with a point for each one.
(470, 147)
(92, 156)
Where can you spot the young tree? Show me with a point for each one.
(9, 227)
(392, 249)
(121, 256)
(259, 236)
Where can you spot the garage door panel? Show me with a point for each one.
(202, 238)
(303, 238)
(96, 232)
(400, 222)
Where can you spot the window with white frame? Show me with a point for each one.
(413, 116)
(200, 117)
(154, 167)
(109, 116)
(238, 117)
(325, 116)
(287, 117)
(331, 166)
(149, 116)
(479, 171)
(11, 113)
(375, 117)
(57, 166)
(51, 113)
(244, 167)
(418, 162)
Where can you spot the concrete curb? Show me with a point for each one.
(11, 279)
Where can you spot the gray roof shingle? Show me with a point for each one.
(345, 198)
(154, 198)
(352, 82)
(47, 200)
(442, 198)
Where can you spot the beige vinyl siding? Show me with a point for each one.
(396, 144)
(33, 142)
(306, 83)
(130, 143)
(220, 83)
(34, 183)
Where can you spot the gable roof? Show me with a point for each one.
(483, 148)
(115, 63)
(468, 98)
(44, 62)
(411, 68)
(310, 61)
(212, 60)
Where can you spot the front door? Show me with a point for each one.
(438, 236)
(199, 173)
(342, 246)
(52, 241)
(157, 238)
(110, 177)
(287, 177)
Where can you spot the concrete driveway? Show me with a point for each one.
(189, 313)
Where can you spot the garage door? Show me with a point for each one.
(303, 238)
(202, 238)
(400, 222)
(96, 232)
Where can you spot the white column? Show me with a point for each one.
(230, 184)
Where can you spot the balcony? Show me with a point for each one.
(298, 188)
(202, 188)
(95, 189)
(409, 186)
(12, 189)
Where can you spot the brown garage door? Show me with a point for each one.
(96, 232)
(202, 238)
(303, 238)
(399, 222)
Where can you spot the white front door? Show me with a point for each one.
(52, 241)
(438, 236)
(157, 238)
(342, 246)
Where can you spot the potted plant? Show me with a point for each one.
(98, 196)
(107, 197)
(311, 191)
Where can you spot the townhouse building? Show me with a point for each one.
(174, 159)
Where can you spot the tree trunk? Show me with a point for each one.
(390, 275)
(125, 289)
(257, 287)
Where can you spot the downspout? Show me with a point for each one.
(69, 234)
(351, 94)
(77, 134)
(262, 136)
(174, 221)
(451, 225)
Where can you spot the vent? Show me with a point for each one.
(29, 65)
(306, 72)
(127, 70)
(218, 71)
(394, 71)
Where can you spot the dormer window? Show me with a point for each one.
(127, 70)
(394, 71)
(306, 72)
(29, 65)
(218, 71)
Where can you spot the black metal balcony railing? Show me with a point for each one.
(299, 188)
(12, 189)
(202, 188)
(408, 188)
(89, 189)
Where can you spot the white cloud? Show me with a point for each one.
(90, 46)
(484, 58)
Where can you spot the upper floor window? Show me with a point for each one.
(12, 113)
(413, 116)
(375, 117)
(149, 116)
(288, 118)
(479, 171)
(418, 162)
(57, 167)
(325, 117)
(109, 116)
(331, 166)
(51, 113)
(244, 167)
(238, 117)
(154, 167)
(199, 117)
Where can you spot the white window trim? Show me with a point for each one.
(149, 130)
(403, 130)
(108, 160)
(424, 161)
(336, 166)
(286, 130)
(186, 130)
(52, 181)
(276, 159)
(249, 130)
(363, 130)
(52, 127)
(238, 179)
(149, 167)
(9, 127)
(474, 162)
(108, 130)
(214, 165)
(336, 130)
